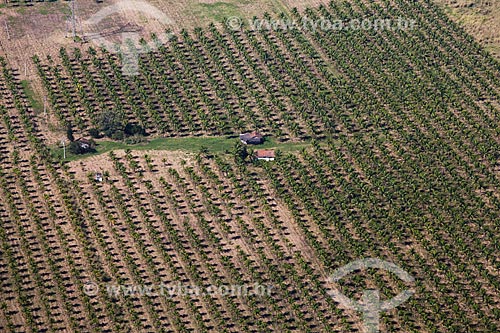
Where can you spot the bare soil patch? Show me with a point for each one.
(481, 19)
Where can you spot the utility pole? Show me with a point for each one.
(64, 148)
(73, 19)
(45, 106)
(7, 30)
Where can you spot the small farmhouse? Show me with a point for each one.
(84, 144)
(265, 155)
(253, 138)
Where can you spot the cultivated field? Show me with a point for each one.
(387, 147)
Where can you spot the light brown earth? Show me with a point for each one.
(479, 18)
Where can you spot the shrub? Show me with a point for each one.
(69, 133)
(134, 129)
(111, 122)
(117, 135)
(95, 133)
(136, 139)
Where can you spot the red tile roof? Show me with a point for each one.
(265, 154)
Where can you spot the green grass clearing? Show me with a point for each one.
(221, 10)
(188, 144)
(217, 11)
